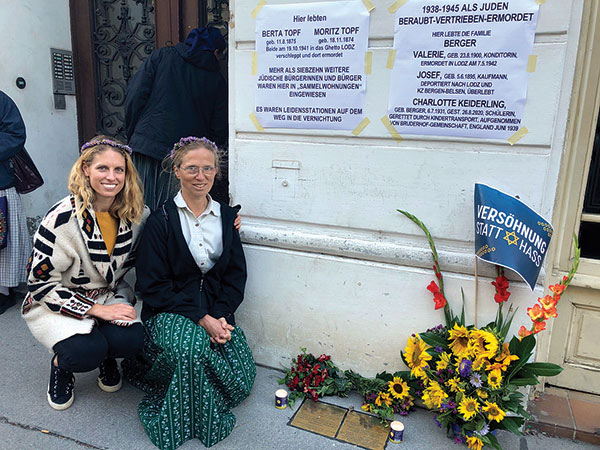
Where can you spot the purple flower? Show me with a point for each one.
(458, 440)
(485, 430)
(370, 398)
(476, 380)
(404, 413)
(450, 371)
(451, 404)
(437, 422)
(438, 349)
(464, 368)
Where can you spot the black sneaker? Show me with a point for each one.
(110, 377)
(60, 388)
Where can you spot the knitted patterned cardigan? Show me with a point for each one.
(70, 270)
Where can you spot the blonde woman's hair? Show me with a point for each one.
(128, 204)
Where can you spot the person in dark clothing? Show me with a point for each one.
(13, 258)
(191, 276)
(179, 91)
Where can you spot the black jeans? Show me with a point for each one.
(85, 352)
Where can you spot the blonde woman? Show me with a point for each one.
(78, 305)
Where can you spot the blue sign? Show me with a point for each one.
(509, 233)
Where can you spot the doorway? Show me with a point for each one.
(575, 333)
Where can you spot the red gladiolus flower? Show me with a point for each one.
(536, 313)
(439, 299)
(501, 283)
(433, 288)
(539, 326)
(523, 332)
(500, 297)
(557, 289)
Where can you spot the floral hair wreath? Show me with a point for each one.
(110, 142)
(188, 140)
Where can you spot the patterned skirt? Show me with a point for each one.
(191, 385)
(13, 258)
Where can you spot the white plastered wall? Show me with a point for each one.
(28, 29)
(332, 266)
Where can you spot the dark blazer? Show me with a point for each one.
(12, 138)
(169, 280)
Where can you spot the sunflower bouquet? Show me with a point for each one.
(386, 394)
(471, 376)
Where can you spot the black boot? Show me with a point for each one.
(60, 388)
(110, 377)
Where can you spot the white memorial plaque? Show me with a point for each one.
(460, 67)
(311, 65)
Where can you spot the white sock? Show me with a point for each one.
(4, 290)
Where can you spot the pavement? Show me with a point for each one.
(99, 420)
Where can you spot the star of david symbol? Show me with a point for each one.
(511, 238)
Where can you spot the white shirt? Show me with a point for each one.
(203, 234)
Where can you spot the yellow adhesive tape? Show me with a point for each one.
(254, 63)
(396, 5)
(391, 59)
(256, 123)
(540, 2)
(531, 63)
(370, 7)
(361, 126)
(257, 8)
(388, 125)
(368, 62)
(518, 136)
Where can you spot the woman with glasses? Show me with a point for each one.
(191, 274)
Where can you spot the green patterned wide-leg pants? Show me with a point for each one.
(200, 383)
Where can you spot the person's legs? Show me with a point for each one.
(123, 342)
(13, 258)
(78, 353)
(202, 388)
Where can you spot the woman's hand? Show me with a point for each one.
(237, 223)
(218, 330)
(118, 311)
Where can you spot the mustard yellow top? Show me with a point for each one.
(109, 227)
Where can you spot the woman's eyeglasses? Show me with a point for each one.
(193, 170)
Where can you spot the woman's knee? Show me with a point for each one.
(81, 352)
(123, 342)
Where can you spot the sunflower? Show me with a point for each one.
(416, 355)
(383, 398)
(460, 340)
(474, 443)
(493, 412)
(481, 394)
(454, 384)
(444, 361)
(483, 344)
(367, 407)
(495, 378)
(480, 363)
(468, 407)
(434, 395)
(398, 388)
